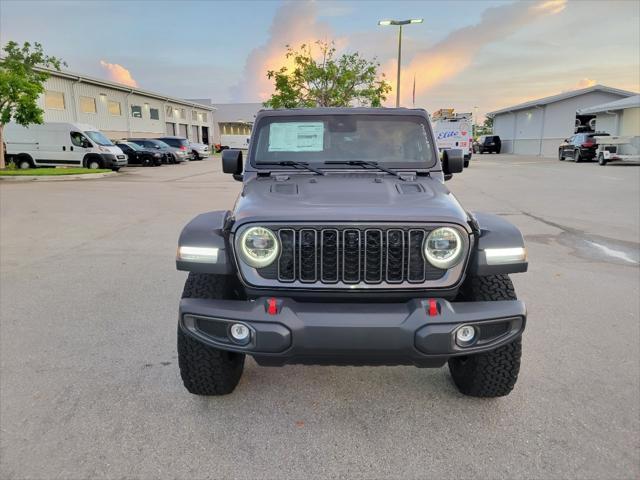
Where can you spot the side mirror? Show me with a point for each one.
(232, 163)
(86, 144)
(452, 161)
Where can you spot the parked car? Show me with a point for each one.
(61, 144)
(137, 155)
(199, 150)
(488, 144)
(180, 144)
(170, 153)
(375, 263)
(579, 147)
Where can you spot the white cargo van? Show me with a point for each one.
(61, 144)
(234, 141)
(453, 130)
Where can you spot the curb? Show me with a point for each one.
(55, 178)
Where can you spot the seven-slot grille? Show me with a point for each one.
(351, 255)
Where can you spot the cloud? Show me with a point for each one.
(455, 52)
(118, 73)
(295, 23)
(584, 83)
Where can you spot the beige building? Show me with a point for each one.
(121, 111)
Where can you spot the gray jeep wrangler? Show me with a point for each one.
(345, 247)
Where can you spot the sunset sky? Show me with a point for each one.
(488, 54)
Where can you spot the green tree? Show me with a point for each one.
(327, 80)
(21, 85)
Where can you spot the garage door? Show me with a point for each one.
(194, 137)
(183, 130)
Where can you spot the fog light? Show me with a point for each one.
(465, 335)
(240, 333)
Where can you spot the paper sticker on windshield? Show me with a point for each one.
(296, 137)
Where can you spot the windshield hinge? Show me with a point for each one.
(407, 176)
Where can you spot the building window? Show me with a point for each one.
(204, 117)
(88, 105)
(54, 100)
(194, 116)
(136, 111)
(114, 108)
(154, 114)
(168, 111)
(183, 114)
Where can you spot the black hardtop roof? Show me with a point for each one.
(341, 111)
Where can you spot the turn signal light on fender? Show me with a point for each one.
(432, 310)
(272, 306)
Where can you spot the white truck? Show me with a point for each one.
(239, 142)
(61, 144)
(453, 130)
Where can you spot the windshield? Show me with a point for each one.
(176, 142)
(392, 140)
(133, 146)
(99, 138)
(159, 144)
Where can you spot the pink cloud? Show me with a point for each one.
(118, 73)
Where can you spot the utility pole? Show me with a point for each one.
(399, 23)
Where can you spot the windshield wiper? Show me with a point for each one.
(291, 163)
(363, 163)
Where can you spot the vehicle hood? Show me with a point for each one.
(115, 150)
(347, 197)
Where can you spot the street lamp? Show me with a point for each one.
(399, 23)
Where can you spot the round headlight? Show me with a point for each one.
(443, 247)
(258, 247)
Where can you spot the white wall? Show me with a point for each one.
(607, 123)
(558, 124)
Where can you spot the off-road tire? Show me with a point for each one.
(206, 370)
(494, 373)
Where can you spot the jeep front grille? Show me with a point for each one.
(351, 255)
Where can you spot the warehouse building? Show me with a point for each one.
(232, 122)
(121, 111)
(539, 126)
(620, 117)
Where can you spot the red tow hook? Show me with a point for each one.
(433, 308)
(272, 307)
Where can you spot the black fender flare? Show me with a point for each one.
(495, 232)
(207, 230)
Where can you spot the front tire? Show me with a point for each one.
(601, 160)
(494, 373)
(206, 370)
(560, 155)
(94, 164)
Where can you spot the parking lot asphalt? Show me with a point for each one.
(89, 382)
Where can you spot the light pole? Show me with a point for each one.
(399, 23)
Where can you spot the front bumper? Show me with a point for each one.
(110, 160)
(353, 333)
